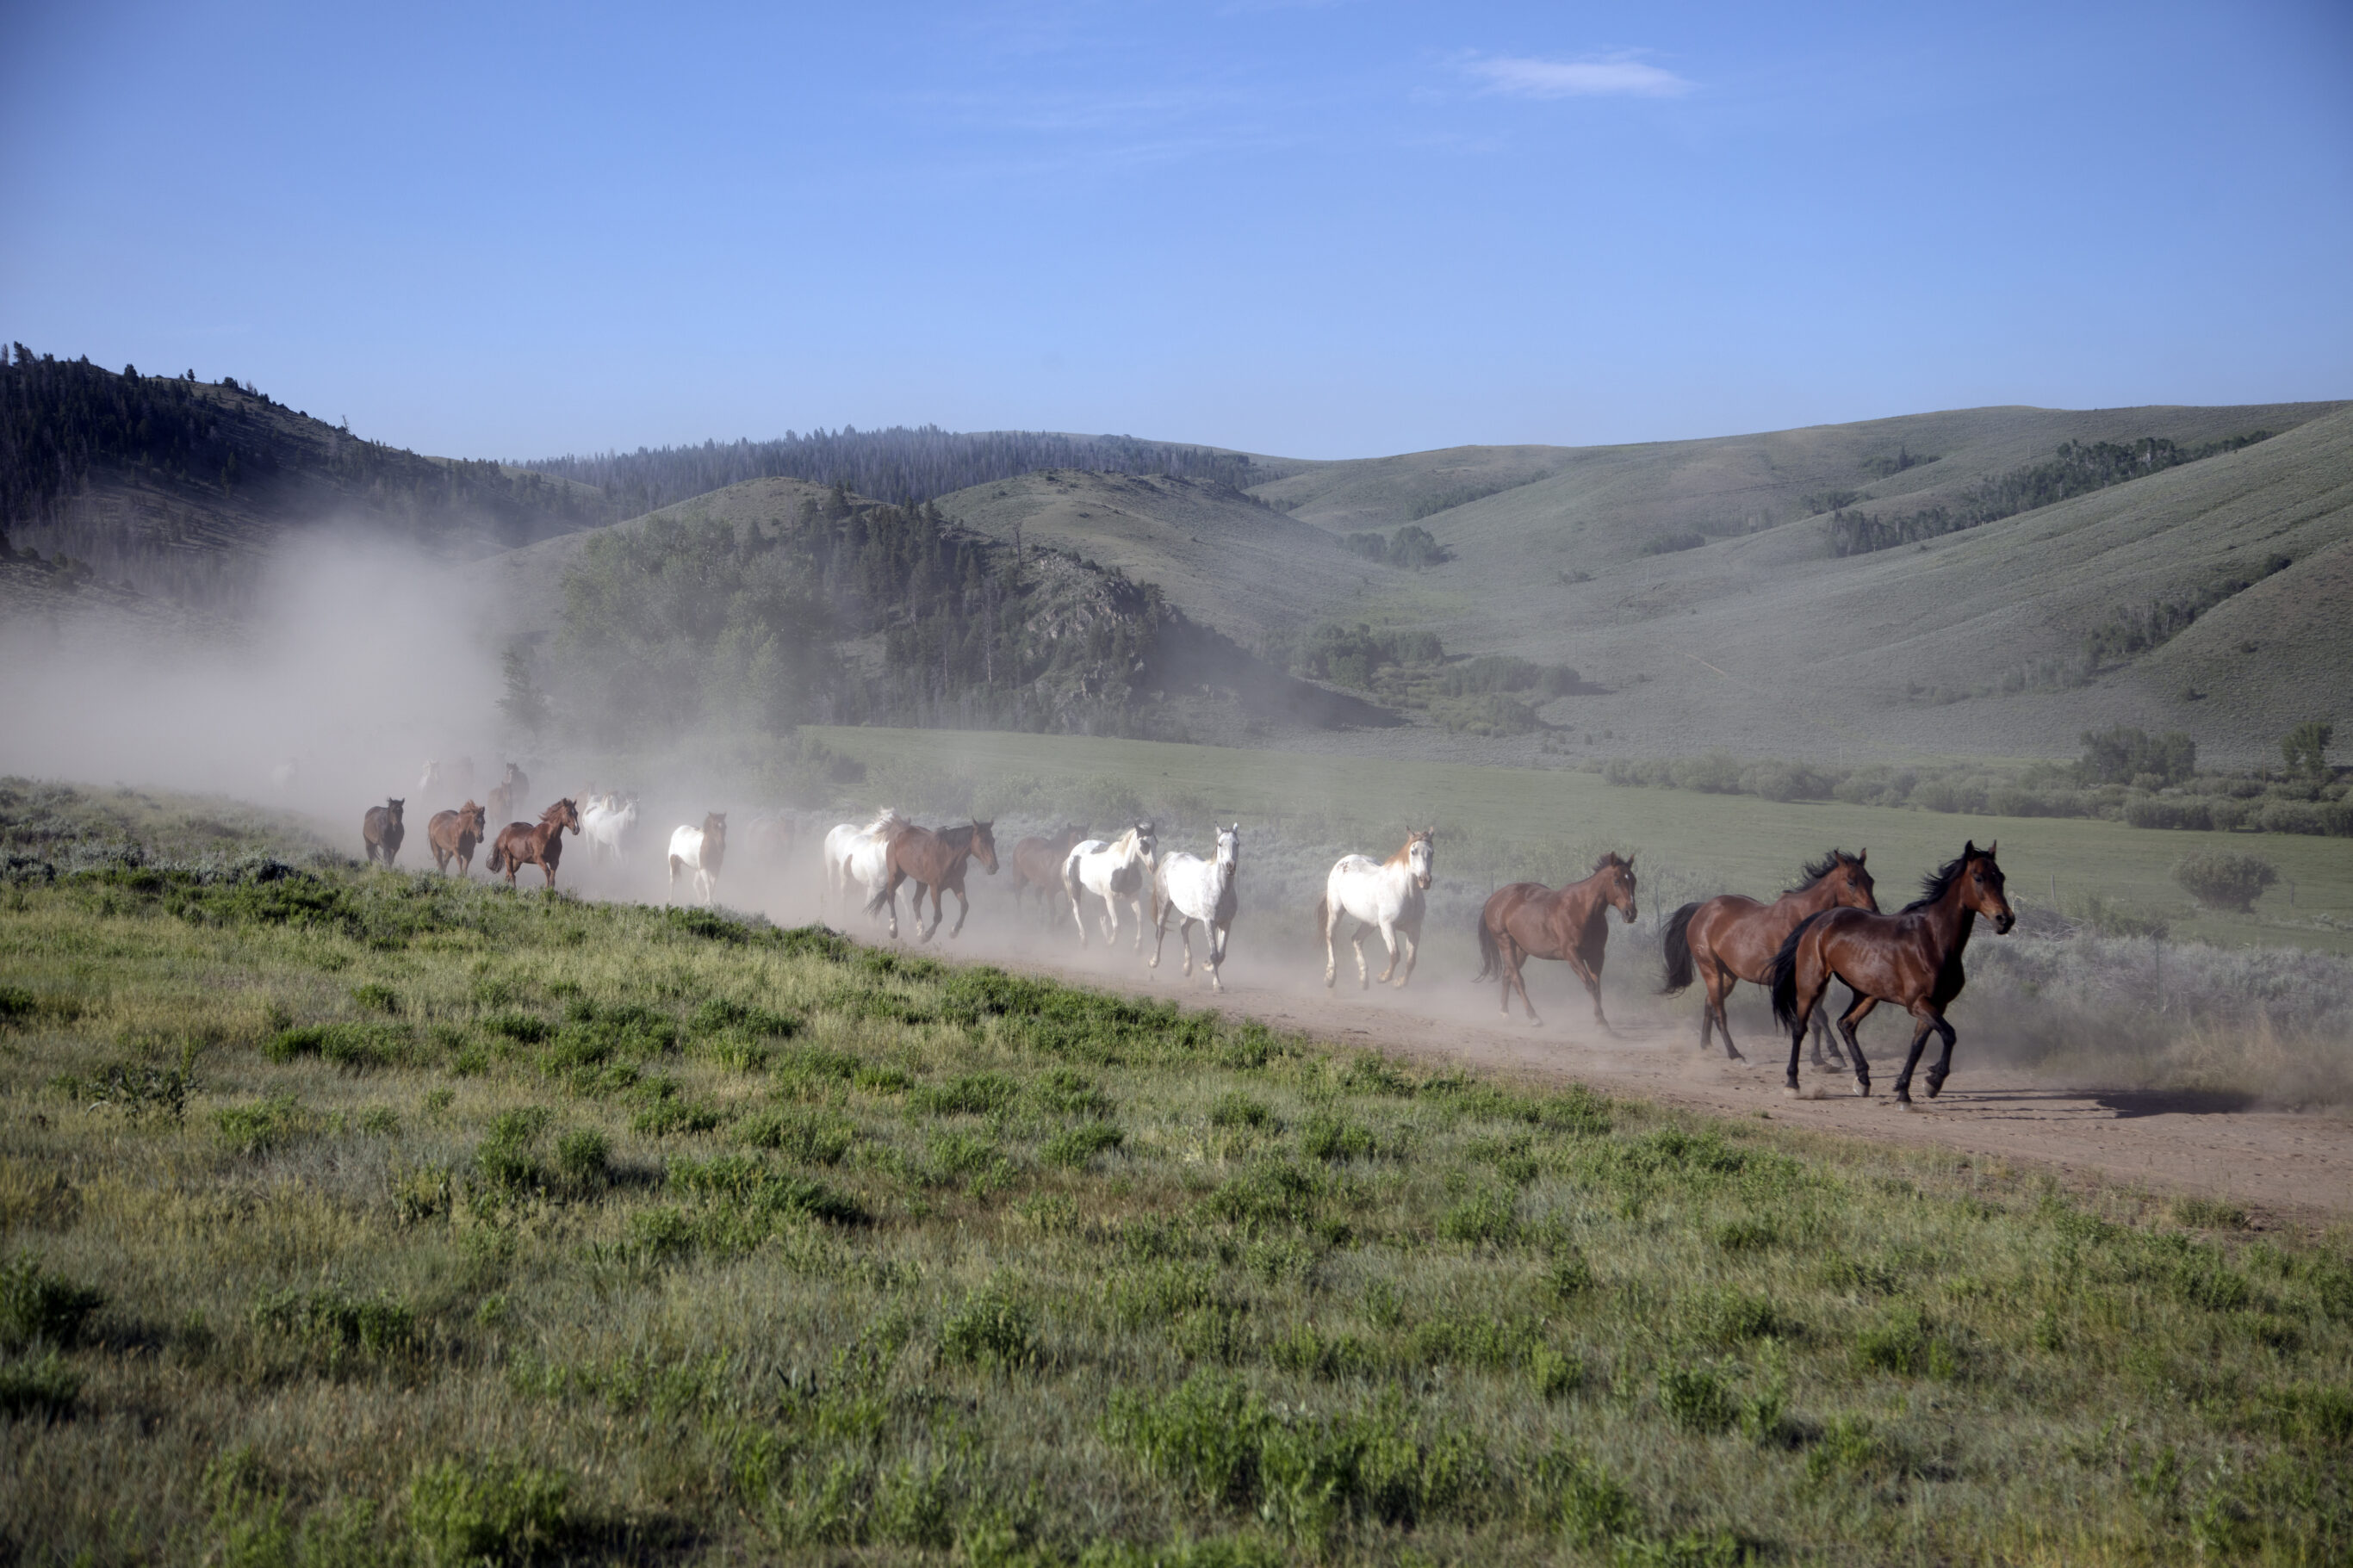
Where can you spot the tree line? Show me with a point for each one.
(2078, 467)
(899, 466)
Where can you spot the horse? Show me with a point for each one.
(606, 822)
(1112, 870)
(430, 781)
(381, 832)
(1037, 863)
(1911, 958)
(513, 787)
(855, 853)
(1204, 891)
(1528, 920)
(1728, 939)
(934, 862)
(453, 836)
(1388, 895)
(700, 850)
(519, 844)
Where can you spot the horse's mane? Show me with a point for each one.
(1611, 858)
(1412, 838)
(552, 812)
(957, 838)
(1814, 871)
(1937, 883)
(885, 820)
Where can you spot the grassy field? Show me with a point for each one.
(358, 1217)
(1490, 816)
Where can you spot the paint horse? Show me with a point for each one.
(1112, 870)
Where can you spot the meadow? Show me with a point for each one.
(362, 1217)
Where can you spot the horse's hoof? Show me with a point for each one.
(1934, 1085)
(1731, 1055)
(1793, 1093)
(1863, 1088)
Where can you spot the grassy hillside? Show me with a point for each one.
(361, 1217)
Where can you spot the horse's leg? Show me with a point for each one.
(1515, 977)
(1412, 939)
(963, 908)
(1160, 941)
(1331, 962)
(1929, 1022)
(1135, 907)
(1389, 939)
(939, 907)
(1858, 1008)
(1364, 931)
(1720, 982)
(1809, 989)
(1592, 978)
(1943, 1066)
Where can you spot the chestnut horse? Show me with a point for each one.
(520, 844)
(381, 832)
(1037, 863)
(934, 862)
(1728, 939)
(453, 834)
(1911, 958)
(1528, 920)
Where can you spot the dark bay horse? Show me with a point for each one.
(934, 862)
(1037, 863)
(1528, 920)
(1911, 958)
(381, 832)
(520, 844)
(1728, 939)
(453, 834)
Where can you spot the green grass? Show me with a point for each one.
(971, 1265)
(1751, 845)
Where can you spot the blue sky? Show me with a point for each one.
(1322, 230)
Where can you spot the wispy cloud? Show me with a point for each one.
(1617, 75)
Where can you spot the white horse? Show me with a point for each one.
(606, 822)
(1389, 895)
(860, 854)
(428, 782)
(1193, 889)
(700, 850)
(1120, 868)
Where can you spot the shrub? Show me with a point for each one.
(1331, 1138)
(1235, 1109)
(264, 1125)
(357, 1046)
(339, 1323)
(974, 1094)
(583, 1157)
(39, 1307)
(495, 1510)
(1698, 1399)
(1488, 1219)
(1080, 1144)
(2222, 880)
(44, 1386)
(993, 1328)
(376, 998)
(1900, 1342)
(2123, 753)
(810, 1138)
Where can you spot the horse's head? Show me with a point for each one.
(470, 819)
(714, 827)
(1618, 887)
(564, 814)
(1420, 853)
(984, 844)
(1230, 845)
(1982, 885)
(1851, 885)
(1146, 845)
(391, 807)
(431, 776)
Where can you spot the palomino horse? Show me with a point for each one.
(1728, 939)
(453, 834)
(606, 823)
(1205, 891)
(857, 853)
(520, 844)
(1388, 895)
(1911, 958)
(1112, 870)
(1037, 863)
(700, 850)
(934, 861)
(381, 832)
(1528, 920)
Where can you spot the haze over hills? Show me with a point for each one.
(1692, 586)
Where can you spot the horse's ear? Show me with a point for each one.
(1860, 857)
(1969, 849)
(1991, 848)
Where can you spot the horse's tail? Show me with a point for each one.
(1785, 975)
(1324, 915)
(1490, 953)
(1678, 953)
(497, 862)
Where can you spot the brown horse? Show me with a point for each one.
(520, 844)
(934, 862)
(1037, 863)
(453, 834)
(1728, 939)
(1528, 920)
(504, 795)
(381, 832)
(1911, 958)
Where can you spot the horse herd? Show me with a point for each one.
(1827, 927)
